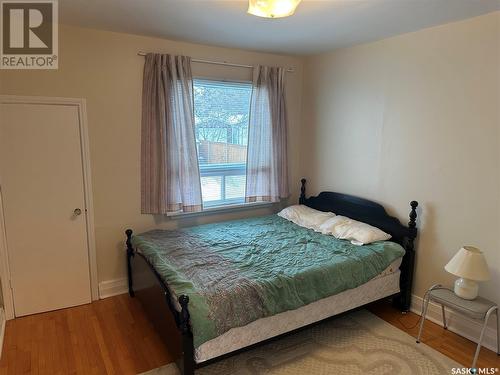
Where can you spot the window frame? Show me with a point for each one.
(228, 169)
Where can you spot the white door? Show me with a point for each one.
(42, 187)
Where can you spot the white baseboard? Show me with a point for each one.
(112, 288)
(3, 320)
(459, 324)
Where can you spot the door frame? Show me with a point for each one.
(5, 278)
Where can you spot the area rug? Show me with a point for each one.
(355, 343)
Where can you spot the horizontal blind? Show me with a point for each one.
(221, 112)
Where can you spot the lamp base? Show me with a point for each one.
(466, 289)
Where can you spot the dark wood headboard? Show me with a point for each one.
(374, 214)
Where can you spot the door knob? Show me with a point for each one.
(77, 212)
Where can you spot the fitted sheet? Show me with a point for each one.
(240, 271)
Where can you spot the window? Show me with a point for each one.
(221, 111)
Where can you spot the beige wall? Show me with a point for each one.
(103, 67)
(415, 117)
(410, 117)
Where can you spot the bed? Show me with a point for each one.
(231, 285)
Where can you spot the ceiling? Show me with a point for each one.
(317, 26)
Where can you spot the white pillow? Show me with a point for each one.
(357, 232)
(305, 216)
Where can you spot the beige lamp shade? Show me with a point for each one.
(469, 263)
(272, 8)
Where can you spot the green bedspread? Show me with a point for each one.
(238, 271)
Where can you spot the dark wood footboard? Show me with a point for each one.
(146, 284)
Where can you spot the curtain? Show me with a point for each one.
(267, 172)
(170, 178)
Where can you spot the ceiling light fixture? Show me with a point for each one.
(272, 8)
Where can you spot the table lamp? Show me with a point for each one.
(470, 266)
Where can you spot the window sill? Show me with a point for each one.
(222, 209)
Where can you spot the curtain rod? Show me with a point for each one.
(289, 70)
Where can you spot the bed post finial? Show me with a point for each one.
(412, 224)
(130, 255)
(128, 233)
(184, 318)
(187, 337)
(302, 198)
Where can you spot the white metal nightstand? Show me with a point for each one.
(478, 309)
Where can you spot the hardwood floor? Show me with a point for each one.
(450, 344)
(112, 336)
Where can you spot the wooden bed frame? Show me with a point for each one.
(155, 295)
